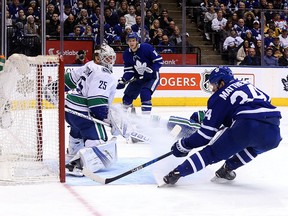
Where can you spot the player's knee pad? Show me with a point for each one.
(75, 144)
(99, 157)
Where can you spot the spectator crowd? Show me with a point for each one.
(82, 22)
(234, 27)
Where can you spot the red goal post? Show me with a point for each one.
(32, 127)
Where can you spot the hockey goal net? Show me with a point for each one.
(32, 147)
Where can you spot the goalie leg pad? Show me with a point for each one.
(99, 157)
(91, 143)
(139, 137)
(75, 145)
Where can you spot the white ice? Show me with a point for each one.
(260, 189)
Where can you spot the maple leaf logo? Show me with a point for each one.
(142, 67)
(25, 86)
(285, 83)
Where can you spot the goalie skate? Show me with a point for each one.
(73, 170)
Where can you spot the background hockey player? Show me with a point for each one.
(141, 62)
(252, 127)
(94, 89)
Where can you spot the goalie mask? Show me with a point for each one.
(106, 55)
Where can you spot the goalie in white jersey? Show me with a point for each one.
(93, 88)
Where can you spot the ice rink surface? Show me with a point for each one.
(260, 188)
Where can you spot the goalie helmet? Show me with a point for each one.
(221, 73)
(106, 55)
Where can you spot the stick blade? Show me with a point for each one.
(175, 131)
(93, 177)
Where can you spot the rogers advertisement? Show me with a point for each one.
(176, 81)
(70, 49)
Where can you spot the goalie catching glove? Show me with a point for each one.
(179, 149)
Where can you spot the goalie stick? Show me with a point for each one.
(87, 117)
(120, 129)
(174, 132)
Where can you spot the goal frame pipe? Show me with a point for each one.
(61, 110)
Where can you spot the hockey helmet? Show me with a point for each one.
(133, 35)
(221, 73)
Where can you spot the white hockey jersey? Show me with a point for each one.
(94, 86)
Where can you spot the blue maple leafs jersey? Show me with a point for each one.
(237, 100)
(136, 62)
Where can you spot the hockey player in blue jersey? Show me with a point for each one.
(93, 88)
(251, 128)
(141, 62)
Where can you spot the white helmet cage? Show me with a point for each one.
(107, 55)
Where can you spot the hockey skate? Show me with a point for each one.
(73, 169)
(224, 174)
(172, 177)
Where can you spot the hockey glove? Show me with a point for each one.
(198, 117)
(100, 112)
(121, 83)
(178, 149)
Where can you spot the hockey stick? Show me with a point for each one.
(120, 130)
(98, 179)
(132, 80)
(174, 132)
(87, 117)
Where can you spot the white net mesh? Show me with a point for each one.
(29, 124)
